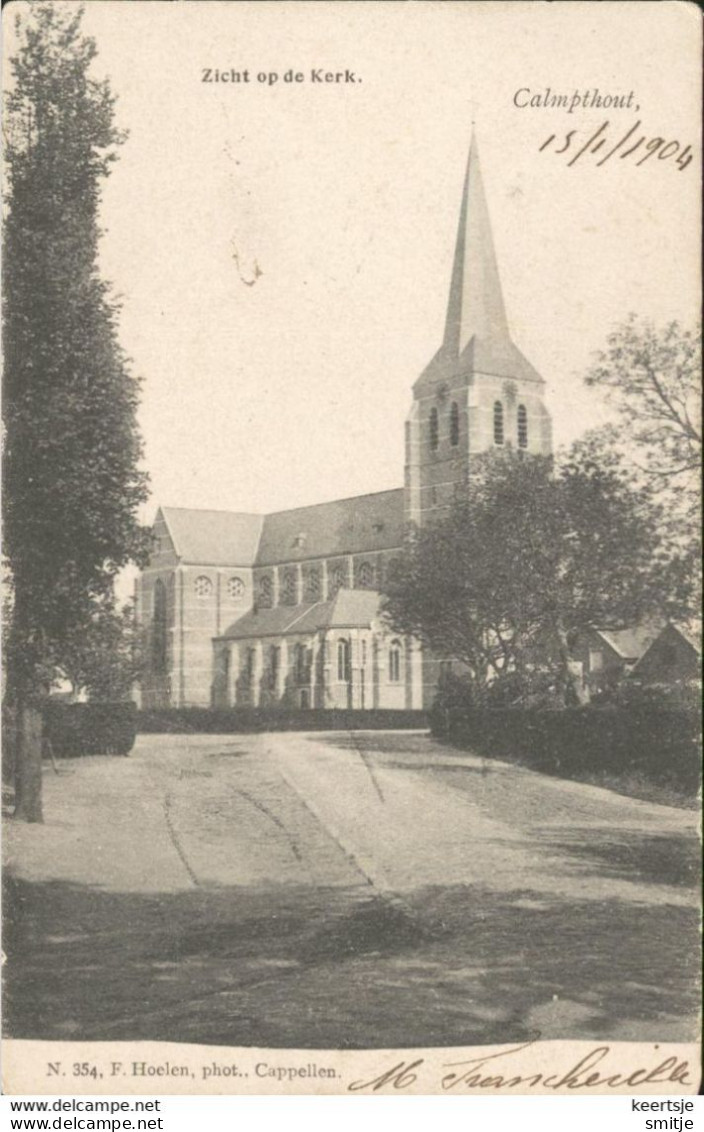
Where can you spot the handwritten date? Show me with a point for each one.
(633, 143)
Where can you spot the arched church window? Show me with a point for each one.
(395, 662)
(337, 579)
(434, 431)
(289, 588)
(235, 589)
(301, 664)
(522, 427)
(265, 590)
(313, 584)
(498, 423)
(454, 424)
(343, 660)
(203, 586)
(274, 664)
(365, 576)
(160, 632)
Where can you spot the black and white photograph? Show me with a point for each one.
(351, 533)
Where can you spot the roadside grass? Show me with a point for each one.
(638, 786)
(630, 784)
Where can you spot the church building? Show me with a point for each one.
(285, 609)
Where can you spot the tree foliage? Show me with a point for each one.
(105, 656)
(652, 377)
(535, 555)
(71, 476)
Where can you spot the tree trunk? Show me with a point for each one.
(570, 680)
(28, 764)
(9, 743)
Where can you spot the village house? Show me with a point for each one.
(606, 656)
(674, 658)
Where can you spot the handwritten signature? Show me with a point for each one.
(664, 149)
(478, 1073)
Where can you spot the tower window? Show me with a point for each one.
(498, 423)
(522, 427)
(265, 590)
(395, 662)
(343, 660)
(454, 424)
(434, 433)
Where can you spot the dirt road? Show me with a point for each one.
(368, 889)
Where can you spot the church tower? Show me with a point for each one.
(479, 392)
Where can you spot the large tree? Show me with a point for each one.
(72, 485)
(534, 555)
(651, 376)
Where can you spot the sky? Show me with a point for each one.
(282, 251)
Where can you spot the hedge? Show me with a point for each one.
(90, 729)
(659, 744)
(225, 721)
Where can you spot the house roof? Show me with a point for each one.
(348, 609)
(630, 644)
(344, 526)
(691, 631)
(213, 538)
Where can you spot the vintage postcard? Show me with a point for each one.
(351, 705)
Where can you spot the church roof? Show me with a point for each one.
(344, 526)
(476, 304)
(477, 336)
(213, 538)
(361, 524)
(349, 608)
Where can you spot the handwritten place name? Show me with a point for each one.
(547, 99)
(632, 140)
(489, 1072)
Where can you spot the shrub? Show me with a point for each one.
(660, 744)
(224, 721)
(71, 730)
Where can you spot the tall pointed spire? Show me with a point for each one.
(476, 305)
